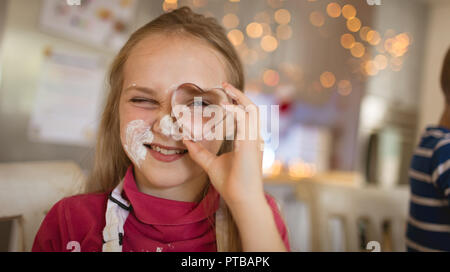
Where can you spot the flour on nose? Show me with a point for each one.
(137, 134)
(169, 128)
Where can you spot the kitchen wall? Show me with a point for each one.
(22, 55)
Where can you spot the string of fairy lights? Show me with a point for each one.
(389, 49)
(273, 26)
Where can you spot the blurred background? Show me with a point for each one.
(356, 81)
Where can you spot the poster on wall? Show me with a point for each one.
(68, 98)
(102, 23)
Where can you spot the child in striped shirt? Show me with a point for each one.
(429, 213)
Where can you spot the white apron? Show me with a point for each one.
(118, 210)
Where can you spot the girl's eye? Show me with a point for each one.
(200, 103)
(143, 101)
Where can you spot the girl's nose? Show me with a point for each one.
(165, 125)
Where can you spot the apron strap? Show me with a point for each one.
(117, 211)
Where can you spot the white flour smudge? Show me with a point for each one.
(137, 134)
(170, 128)
(166, 125)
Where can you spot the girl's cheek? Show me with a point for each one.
(136, 135)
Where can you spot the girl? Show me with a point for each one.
(158, 193)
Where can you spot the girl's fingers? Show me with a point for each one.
(252, 116)
(200, 154)
(236, 95)
(246, 125)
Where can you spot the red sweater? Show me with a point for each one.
(154, 224)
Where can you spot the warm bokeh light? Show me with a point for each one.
(236, 37)
(354, 24)
(171, 1)
(398, 45)
(347, 41)
(284, 32)
(274, 170)
(327, 79)
(358, 50)
(254, 30)
(300, 169)
(373, 37)
(344, 87)
(363, 32)
(370, 68)
(317, 19)
(381, 62)
(230, 20)
(271, 78)
(348, 11)
(404, 38)
(168, 6)
(334, 10)
(282, 16)
(269, 43)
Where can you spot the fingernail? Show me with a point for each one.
(231, 94)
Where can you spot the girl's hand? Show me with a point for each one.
(236, 175)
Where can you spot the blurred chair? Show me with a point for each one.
(27, 192)
(365, 214)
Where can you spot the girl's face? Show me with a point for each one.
(156, 66)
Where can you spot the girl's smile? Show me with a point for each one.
(165, 153)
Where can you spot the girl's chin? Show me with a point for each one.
(164, 178)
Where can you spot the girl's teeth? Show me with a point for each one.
(165, 151)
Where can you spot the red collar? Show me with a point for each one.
(159, 211)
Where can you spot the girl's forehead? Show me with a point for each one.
(172, 62)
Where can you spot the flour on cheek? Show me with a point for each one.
(137, 134)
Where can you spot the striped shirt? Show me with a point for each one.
(429, 210)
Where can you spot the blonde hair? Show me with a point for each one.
(111, 162)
